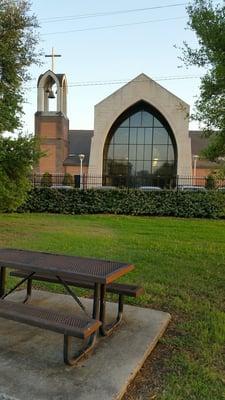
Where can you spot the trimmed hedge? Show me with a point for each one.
(210, 204)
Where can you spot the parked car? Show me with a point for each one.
(66, 187)
(192, 188)
(150, 188)
(105, 187)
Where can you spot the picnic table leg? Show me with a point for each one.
(2, 280)
(29, 291)
(91, 341)
(96, 304)
(106, 329)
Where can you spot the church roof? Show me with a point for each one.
(199, 143)
(79, 143)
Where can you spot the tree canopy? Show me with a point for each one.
(207, 20)
(18, 42)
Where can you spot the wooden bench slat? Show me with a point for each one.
(48, 319)
(117, 288)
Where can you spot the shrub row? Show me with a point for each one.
(210, 204)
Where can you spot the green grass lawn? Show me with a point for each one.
(180, 263)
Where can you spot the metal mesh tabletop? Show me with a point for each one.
(90, 269)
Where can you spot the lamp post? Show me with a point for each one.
(195, 158)
(1, 94)
(81, 157)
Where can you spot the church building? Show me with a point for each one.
(140, 131)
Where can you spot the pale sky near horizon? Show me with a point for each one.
(107, 48)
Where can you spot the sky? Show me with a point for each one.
(106, 44)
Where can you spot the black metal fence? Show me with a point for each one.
(122, 181)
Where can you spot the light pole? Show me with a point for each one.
(1, 94)
(195, 158)
(81, 157)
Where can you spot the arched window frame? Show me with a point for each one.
(140, 106)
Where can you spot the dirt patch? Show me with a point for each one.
(149, 381)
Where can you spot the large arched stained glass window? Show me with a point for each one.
(140, 149)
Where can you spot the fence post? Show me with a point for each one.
(77, 181)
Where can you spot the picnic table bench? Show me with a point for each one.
(68, 325)
(98, 275)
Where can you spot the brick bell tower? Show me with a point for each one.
(51, 127)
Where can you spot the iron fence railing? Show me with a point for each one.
(87, 181)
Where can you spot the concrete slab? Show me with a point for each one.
(31, 365)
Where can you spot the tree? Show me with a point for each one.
(17, 157)
(18, 42)
(208, 22)
(46, 180)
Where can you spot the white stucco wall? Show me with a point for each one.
(143, 88)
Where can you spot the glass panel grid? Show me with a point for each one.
(141, 145)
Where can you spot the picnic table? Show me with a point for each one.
(96, 274)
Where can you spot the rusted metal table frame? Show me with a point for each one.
(101, 272)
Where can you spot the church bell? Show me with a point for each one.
(50, 94)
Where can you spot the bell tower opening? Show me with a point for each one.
(52, 93)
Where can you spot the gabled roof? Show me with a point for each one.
(140, 78)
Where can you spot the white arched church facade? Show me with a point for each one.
(141, 128)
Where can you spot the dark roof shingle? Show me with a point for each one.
(79, 143)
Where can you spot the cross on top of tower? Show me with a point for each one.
(53, 56)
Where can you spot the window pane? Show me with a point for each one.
(118, 167)
(140, 136)
(135, 119)
(170, 153)
(160, 136)
(148, 152)
(125, 123)
(163, 169)
(112, 140)
(108, 164)
(133, 135)
(120, 152)
(121, 136)
(160, 152)
(110, 151)
(147, 119)
(147, 166)
(132, 152)
(140, 152)
(169, 140)
(159, 167)
(157, 123)
(139, 167)
(132, 167)
(148, 135)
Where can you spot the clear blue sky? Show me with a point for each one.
(111, 53)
